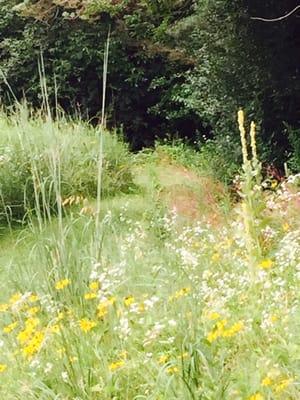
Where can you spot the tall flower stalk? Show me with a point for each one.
(251, 193)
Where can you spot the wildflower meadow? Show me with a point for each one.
(140, 276)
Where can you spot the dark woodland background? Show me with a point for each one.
(177, 68)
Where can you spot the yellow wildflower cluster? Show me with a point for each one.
(27, 332)
(34, 344)
(9, 328)
(62, 284)
(94, 287)
(277, 385)
(267, 381)
(86, 324)
(163, 359)
(104, 306)
(211, 315)
(116, 365)
(15, 298)
(33, 298)
(221, 331)
(4, 307)
(21, 301)
(90, 296)
(29, 338)
(266, 264)
(33, 310)
(172, 370)
(180, 293)
(282, 385)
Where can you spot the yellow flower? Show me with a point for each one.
(61, 352)
(212, 336)
(9, 328)
(141, 307)
(217, 331)
(183, 355)
(234, 329)
(256, 396)
(55, 328)
(15, 298)
(102, 310)
(94, 285)
(273, 318)
(267, 381)
(33, 298)
(180, 293)
(266, 264)
(62, 284)
(34, 344)
(60, 316)
(90, 296)
(213, 316)
(116, 365)
(172, 370)
(32, 322)
(128, 300)
(103, 307)
(26, 334)
(282, 385)
(286, 227)
(3, 307)
(33, 310)
(3, 367)
(163, 359)
(215, 257)
(274, 184)
(86, 324)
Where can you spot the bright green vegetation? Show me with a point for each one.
(155, 291)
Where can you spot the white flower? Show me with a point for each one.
(64, 376)
(48, 368)
(34, 364)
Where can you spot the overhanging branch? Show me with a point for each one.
(279, 18)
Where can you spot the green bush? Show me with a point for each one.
(218, 158)
(294, 137)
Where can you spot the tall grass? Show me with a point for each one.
(43, 161)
